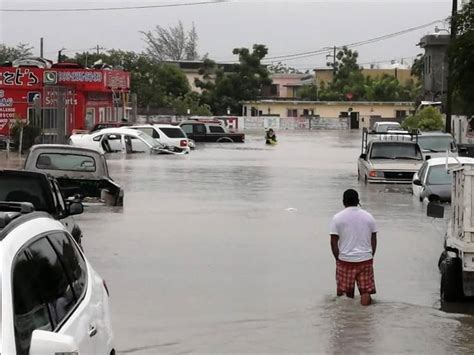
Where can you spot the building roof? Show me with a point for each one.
(332, 103)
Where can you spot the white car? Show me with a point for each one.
(434, 179)
(53, 302)
(383, 127)
(122, 140)
(166, 134)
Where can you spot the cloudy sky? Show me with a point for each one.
(286, 27)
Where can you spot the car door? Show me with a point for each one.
(362, 164)
(199, 131)
(188, 129)
(51, 292)
(420, 175)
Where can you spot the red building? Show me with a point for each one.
(62, 98)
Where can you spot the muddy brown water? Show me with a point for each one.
(226, 250)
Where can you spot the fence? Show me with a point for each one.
(261, 122)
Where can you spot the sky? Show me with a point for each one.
(285, 27)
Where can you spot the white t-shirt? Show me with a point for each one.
(354, 226)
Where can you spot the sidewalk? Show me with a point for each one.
(13, 161)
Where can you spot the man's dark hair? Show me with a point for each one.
(350, 198)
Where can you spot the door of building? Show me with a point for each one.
(354, 120)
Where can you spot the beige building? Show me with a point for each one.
(360, 113)
(403, 75)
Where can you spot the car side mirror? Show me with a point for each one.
(43, 342)
(417, 182)
(435, 210)
(363, 156)
(75, 208)
(428, 157)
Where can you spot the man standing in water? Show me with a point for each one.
(353, 244)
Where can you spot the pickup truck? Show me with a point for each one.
(203, 131)
(43, 192)
(79, 171)
(389, 160)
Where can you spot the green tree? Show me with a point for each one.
(191, 102)
(427, 119)
(8, 54)
(245, 82)
(462, 61)
(418, 66)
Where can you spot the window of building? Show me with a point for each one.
(274, 90)
(292, 113)
(400, 113)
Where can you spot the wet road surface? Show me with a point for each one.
(226, 250)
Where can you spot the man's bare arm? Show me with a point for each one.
(334, 245)
(374, 243)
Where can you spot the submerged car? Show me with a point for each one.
(169, 135)
(79, 171)
(434, 180)
(122, 140)
(436, 144)
(53, 302)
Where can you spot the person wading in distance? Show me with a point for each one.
(353, 244)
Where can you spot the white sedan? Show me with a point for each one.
(53, 302)
(433, 179)
(124, 140)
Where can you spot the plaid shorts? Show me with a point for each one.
(347, 274)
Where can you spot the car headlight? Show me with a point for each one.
(375, 173)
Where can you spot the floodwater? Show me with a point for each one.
(226, 250)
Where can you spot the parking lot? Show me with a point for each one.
(226, 250)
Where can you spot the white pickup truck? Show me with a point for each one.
(388, 159)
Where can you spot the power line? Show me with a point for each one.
(117, 8)
(324, 50)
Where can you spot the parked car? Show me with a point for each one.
(122, 140)
(113, 124)
(169, 135)
(388, 161)
(435, 144)
(53, 302)
(79, 171)
(44, 193)
(434, 180)
(384, 126)
(210, 131)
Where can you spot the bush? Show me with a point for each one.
(30, 133)
(427, 119)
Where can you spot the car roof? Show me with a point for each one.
(452, 160)
(119, 130)
(388, 122)
(63, 147)
(434, 134)
(164, 125)
(391, 141)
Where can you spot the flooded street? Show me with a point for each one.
(226, 250)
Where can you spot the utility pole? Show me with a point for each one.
(449, 93)
(41, 47)
(98, 48)
(334, 63)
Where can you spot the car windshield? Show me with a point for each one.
(23, 189)
(395, 151)
(64, 161)
(148, 140)
(173, 132)
(387, 126)
(436, 143)
(438, 175)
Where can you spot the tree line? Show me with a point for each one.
(160, 84)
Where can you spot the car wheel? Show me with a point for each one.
(225, 140)
(451, 280)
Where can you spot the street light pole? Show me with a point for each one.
(449, 93)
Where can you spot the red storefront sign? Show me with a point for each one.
(21, 88)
